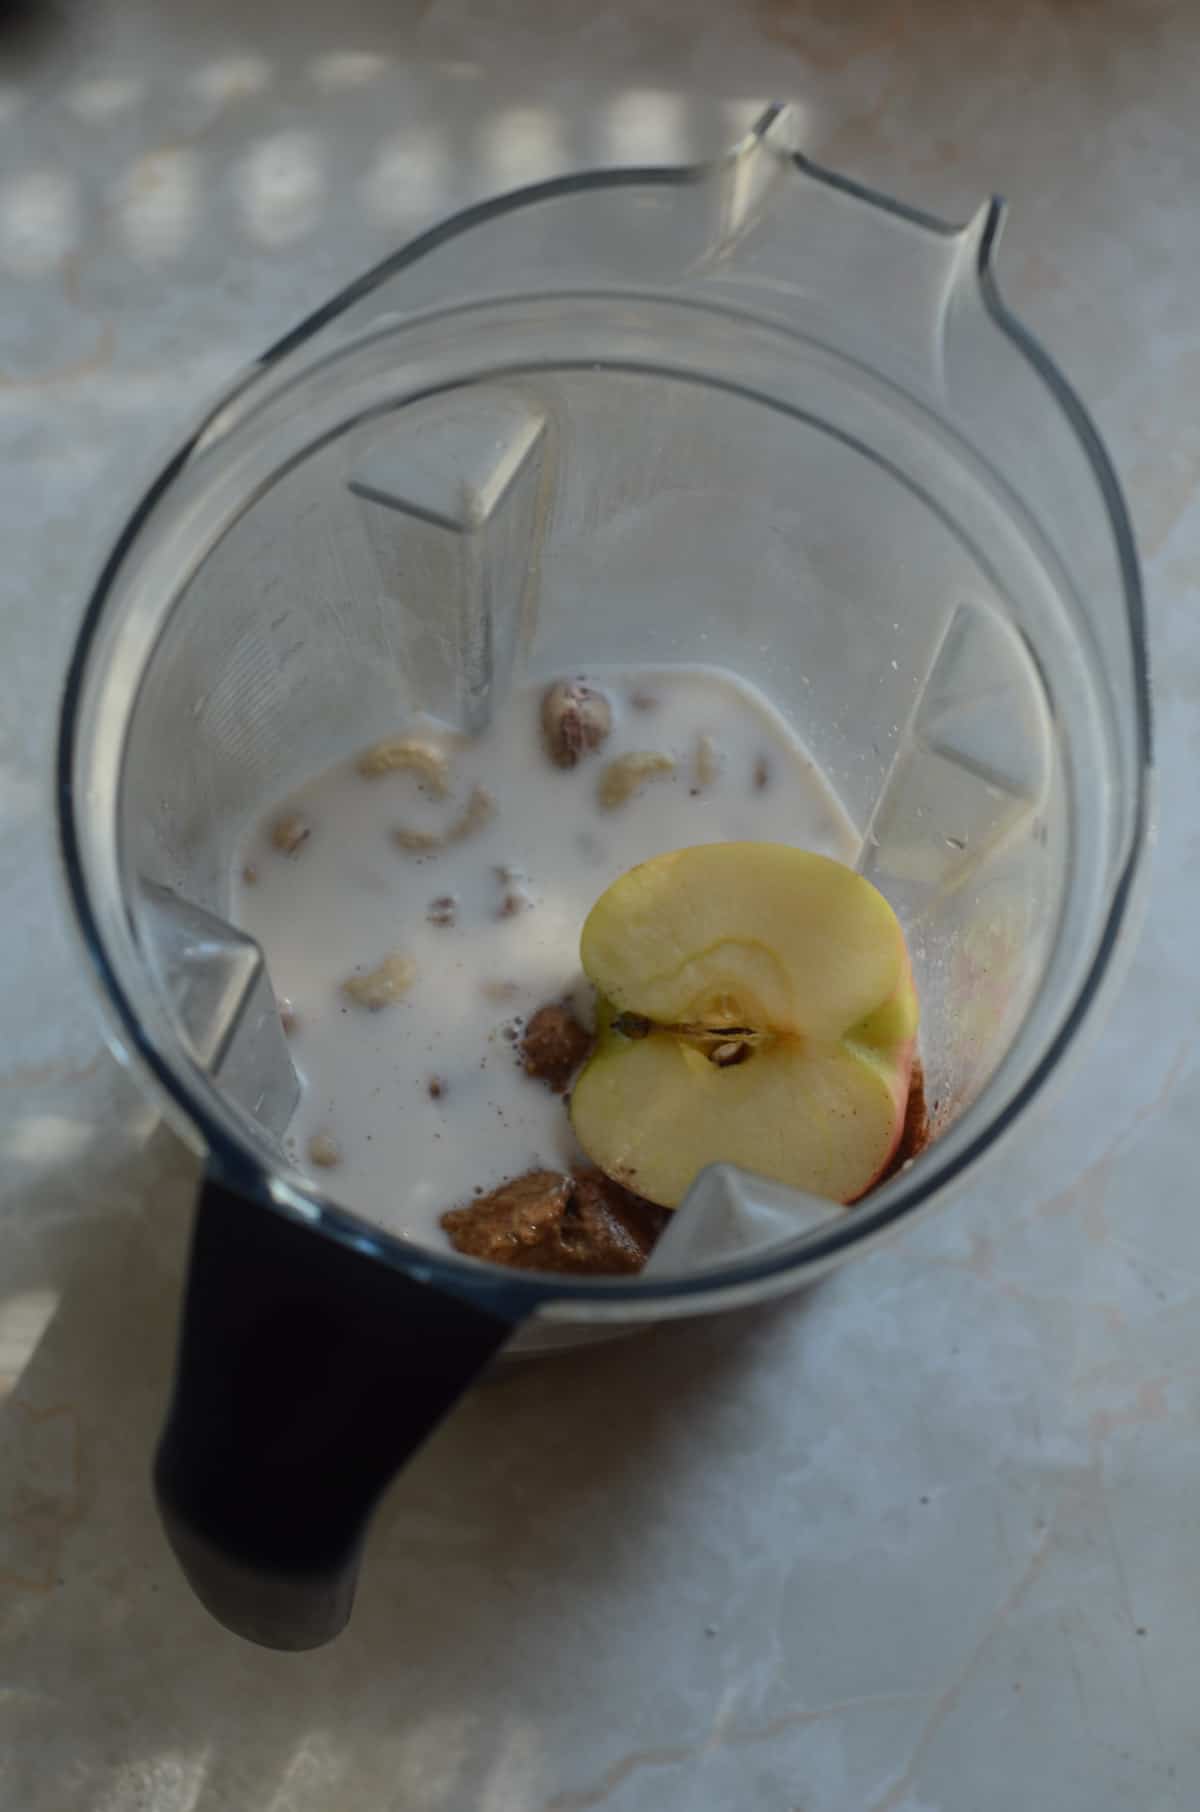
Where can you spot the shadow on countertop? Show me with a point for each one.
(547, 1501)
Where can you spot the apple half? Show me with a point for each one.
(756, 1007)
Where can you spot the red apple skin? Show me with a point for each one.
(907, 1059)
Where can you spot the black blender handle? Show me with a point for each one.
(307, 1373)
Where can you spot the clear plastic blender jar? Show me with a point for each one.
(618, 417)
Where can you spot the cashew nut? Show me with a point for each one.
(383, 986)
(418, 754)
(626, 775)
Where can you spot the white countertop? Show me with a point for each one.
(926, 1540)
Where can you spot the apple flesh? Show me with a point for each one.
(756, 1008)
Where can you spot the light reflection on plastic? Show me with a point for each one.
(279, 187)
(737, 117)
(286, 1197)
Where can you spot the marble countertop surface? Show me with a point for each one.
(925, 1540)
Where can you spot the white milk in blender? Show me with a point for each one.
(423, 1103)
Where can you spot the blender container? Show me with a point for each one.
(747, 413)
